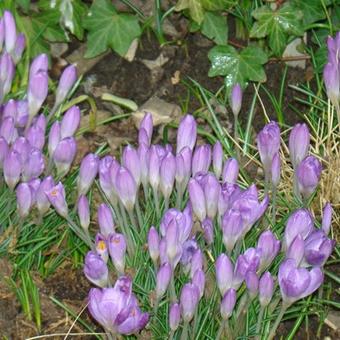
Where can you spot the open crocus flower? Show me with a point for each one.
(56, 196)
(116, 308)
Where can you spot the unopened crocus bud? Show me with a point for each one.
(24, 199)
(42, 200)
(183, 166)
(228, 303)
(41, 122)
(95, 269)
(117, 250)
(34, 185)
(56, 196)
(6, 74)
(66, 81)
(83, 212)
(187, 133)
(196, 262)
(12, 169)
(126, 188)
(308, 175)
(64, 155)
(172, 245)
(276, 170)
(232, 227)
(36, 137)
(236, 99)
(20, 45)
(167, 174)
(201, 159)
(22, 113)
(268, 144)
(106, 180)
(326, 217)
(163, 279)
(299, 140)
(252, 283)
(198, 279)
(39, 63)
(299, 222)
(3, 151)
(208, 231)
(54, 138)
(269, 247)
(153, 244)
(8, 130)
(304, 283)
(2, 33)
(37, 92)
(146, 125)
(212, 190)
(130, 160)
(87, 172)
(10, 31)
(224, 273)
(296, 249)
(189, 300)
(101, 247)
(266, 289)
(197, 199)
(230, 171)
(10, 109)
(70, 122)
(144, 157)
(217, 158)
(154, 166)
(105, 220)
(331, 76)
(34, 165)
(174, 316)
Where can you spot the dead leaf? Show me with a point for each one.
(176, 78)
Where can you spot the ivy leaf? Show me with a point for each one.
(312, 10)
(237, 67)
(218, 5)
(277, 25)
(215, 27)
(195, 9)
(108, 28)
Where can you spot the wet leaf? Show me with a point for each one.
(215, 27)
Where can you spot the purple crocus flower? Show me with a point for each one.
(87, 172)
(296, 283)
(228, 195)
(163, 279)
(10, 109)
(146, 125)
(236, 99)
(54, 137)
(107, 176)
(66, 81)
(105, 220)
(22, 113)
(84, 212)
(326, 218)
(174, 316)
(56, 196)
(183, 166)
(3, 151)
(95, 269)
(42, 201)
(331, 76)
(10, 31)
(154, 167)
(230, 171)
(167, 174)
(34, 165)
(299, 140)
(20, 45)
(198, 279)
(153, 244)
(189, 300)
(268, 246)
(296, 249)
(197, 199)
(228, 303)
(187, 133)
(188, 250)
(2, 33)
(217, 159)
(117, 250)
(208, 231)
(101, 247)
(126, 188)
(276, 170)
(7, 70)
(12, 169)
(37, 92)
(212, 190)
(266, 289)
(36, 137)
(201, 159)
(130, 160)
(24, 199)
(224, 273)
(232, 227)
(308, 175)
(70, 122)
(64, 155)
(39, 63)
(8, 130)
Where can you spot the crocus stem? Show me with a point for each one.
(155, 309)
(139, 214)
(259, 324)
(79, 232)
(173, 296)
(133, 219)
(179, 195)
(184, 335)
(224, 326)
(171, 335)
(156, 199)
(52, 112)
(242, 304)
(126, 231)
(49, 166)
(266, 182)
(236, 136)
(145, 190)
(166, 203)
(277, 321)
(195, 323)
(274, 196)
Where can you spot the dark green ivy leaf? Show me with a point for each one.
(215, 27)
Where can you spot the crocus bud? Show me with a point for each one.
(6, 73)
(20, 45)
(8, 130)
(24, 199)
(268, 144)
(70, 122)
(212, 190)
(42, 200)
(326, 217)
(105, 220)
(224, 273)
(54, 138)
(236, 99)
(146, 125)
(308, 175)
(172, 245)
(22, 113)
(167, 174)
(64, 155)
(201, 159)
(198, 279)
(299, 140)
(228, 303)
(230, 171)
(197, 199)
(39, 63)
(87, 172)
(12, 169)
(131, 162)
(56, 196)
(84, 212)
(101, 247)
(40, 122)
(208, 231)
(174, 316)
(117, 250)
(106, 180)
(331, 76)
(153, 244)
(34, 165)
(187, 133)
(269, 247)
(163, 279)
(196, 262)
(266, 289)
(10, 31)
(37, 92)
(3, 151)
(300, 222)
(304, 283)
(36, 137)
(2, 33)
(276, 169)
(126, 188)
(95, 269)
(296, 249)
(232, 227)
(252, 283)
(10, 109)
(154, 167)
(217, 158)
(189, 300)
(66, 81)
(183, 166)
